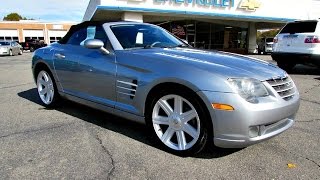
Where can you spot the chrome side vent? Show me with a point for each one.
(284, 87)
(127, 88)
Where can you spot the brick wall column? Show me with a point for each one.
(20, 33)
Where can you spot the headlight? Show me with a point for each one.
(248, 88)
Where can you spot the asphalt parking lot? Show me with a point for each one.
(74, 141)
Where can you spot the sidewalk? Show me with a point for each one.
(263, 57)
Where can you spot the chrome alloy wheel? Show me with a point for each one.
(45, 87)
(176, 122)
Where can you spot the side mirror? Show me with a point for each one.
(96, 44)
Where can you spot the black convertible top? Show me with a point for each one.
(84, 24)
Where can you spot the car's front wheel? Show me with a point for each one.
(10, 53)
(178, 122)
(47, 90)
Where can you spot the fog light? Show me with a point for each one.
(254, 131)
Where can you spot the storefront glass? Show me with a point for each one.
(206, 35)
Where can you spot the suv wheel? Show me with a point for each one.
(178, 122)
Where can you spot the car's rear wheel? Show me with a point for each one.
(47, 90)
(178, 122)
(287, 66)
(20, 52)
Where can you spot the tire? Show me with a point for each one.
(10, 53)
(31, 49)
(20, 52)
(184, 133)
(47, 89)
(287, 66)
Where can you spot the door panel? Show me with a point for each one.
(86, 73)
(96, 76)
(66, 65)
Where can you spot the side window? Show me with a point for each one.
(101, 34)
(78, 37)
(91, 32)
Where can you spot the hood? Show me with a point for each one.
(224, 64)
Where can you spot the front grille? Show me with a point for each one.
(284, 87)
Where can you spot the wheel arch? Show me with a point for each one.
(38, 67)
(178, 87)
(41, 65)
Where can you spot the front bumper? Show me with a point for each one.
(268, 49)
(273, 115)
(297, 58)
(4, 52)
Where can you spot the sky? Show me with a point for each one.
(46, 10)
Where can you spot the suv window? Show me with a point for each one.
(300, 27)
(269, 40)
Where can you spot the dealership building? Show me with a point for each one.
(229, 25)
(21, 31)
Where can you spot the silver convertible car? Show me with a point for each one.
(187, 97)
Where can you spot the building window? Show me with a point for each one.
(55, 39)
(29, 38)
(204, 35)
(9, 38)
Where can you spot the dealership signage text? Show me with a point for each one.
(214, 3)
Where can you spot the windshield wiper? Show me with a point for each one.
(180, 45)
(147, 46)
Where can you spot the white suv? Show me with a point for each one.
(297, 43)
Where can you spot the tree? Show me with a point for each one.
(270, 33)
(13, 17)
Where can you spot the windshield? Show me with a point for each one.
(4, 43)
(133, 36)
(300, 27)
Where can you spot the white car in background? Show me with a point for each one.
(265, 45)
(297, 43)
(10, 48)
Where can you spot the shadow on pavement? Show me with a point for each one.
(305, 70)
(116, 124)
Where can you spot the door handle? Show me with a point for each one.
(60, 56)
